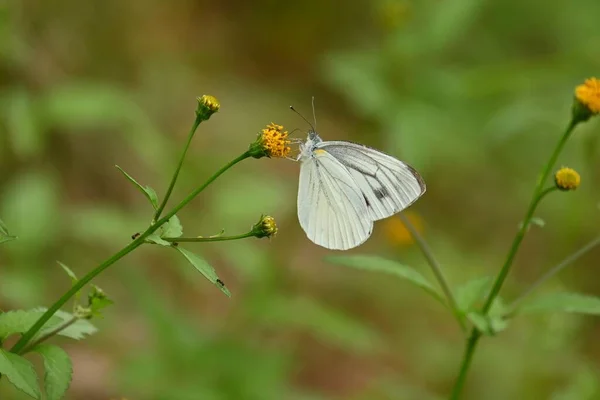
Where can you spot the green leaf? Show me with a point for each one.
(378, 264)
(19, 321)
(562, 302)
(468, 294)
(59, 370)
(69, 272)
(205, 269)
(3, 229)
(4, 239)
(146, 190)
(20, 373)
(78, 330)
(488, 324)
(171, 228)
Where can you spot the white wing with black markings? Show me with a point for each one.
(331, 207)
(388, 185)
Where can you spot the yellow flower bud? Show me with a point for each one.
(271, 142)
(567, 179)
(207, 106)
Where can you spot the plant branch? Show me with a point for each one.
(48, 335)
(209, 239)
(176, 174)
(435, 267)
(27, 336)
(555, 270)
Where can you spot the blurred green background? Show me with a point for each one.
(472, 93)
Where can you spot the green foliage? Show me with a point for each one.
(172, 228)
(205, 269)
(470, 293)
(20, 373)
(78, 330)
(146, 190)
(562, 302)
(59, 370)
(4, 235)
(379, 264)
(19, 321)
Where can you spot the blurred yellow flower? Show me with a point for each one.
(567, 179)
(397, 233)
(272, 142)
(266, 227)
(207, 106)
(588, 94)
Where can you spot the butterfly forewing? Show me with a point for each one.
(388, 185)
(331, 207)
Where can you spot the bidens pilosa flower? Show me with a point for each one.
(207, 106)
(266, 227)
(567, 179)
(272, 141)
(587, 100)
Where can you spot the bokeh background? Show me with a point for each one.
(472, 93)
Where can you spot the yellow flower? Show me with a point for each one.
(567, 179)
(588, 94)
(207, 106)
(587, 100)
(271, 142)
(397, 233)
(265, 227)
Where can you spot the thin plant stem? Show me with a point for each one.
(48, 335)
(435, 267)
(555, 270)
(209, 239)
(160, 209)
(27, 336)
(538, 194)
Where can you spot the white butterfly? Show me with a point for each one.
(345, 187)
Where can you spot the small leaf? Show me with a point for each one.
(171, 228)
(4, 239)
(534, 221)
(20, 373)
(69, 272)
(78, 330)
(3, 229)
(378, 264)
(468, 294)
(146, 190)
(562, 302)
(205, 269)
(19, 321)
(488, 324)
(59, 370)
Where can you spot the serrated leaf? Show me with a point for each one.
(78, 330)
(19, 321)
(156, 239)
(97, 304)
(146, 190)
(468, 294)
(562, 302)
(378, 264)
(205, 269)
(20, 373)
(59, 370)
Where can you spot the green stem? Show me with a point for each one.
(27, 336)
(435, 267)
(538, 194)
(160, 209)
(553, 271)
(48, 335)
(209, 239)
(466, 363)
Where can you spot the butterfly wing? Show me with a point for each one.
(331, 208)
(387, 184)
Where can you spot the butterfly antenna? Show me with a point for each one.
(302, 116)
(314, 114)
